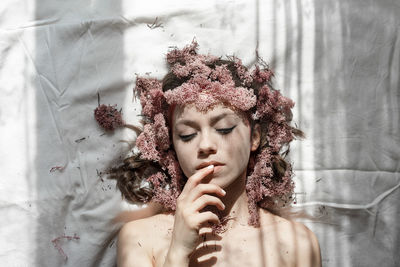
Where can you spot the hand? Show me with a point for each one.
(188, 216)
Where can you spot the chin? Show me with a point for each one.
(222, 181)
(225, 181)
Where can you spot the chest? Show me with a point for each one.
(239, 248)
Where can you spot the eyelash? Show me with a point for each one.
(223, 131)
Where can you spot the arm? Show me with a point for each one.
(310, 253)
(189, 217)
(131, 249)
(316, 252)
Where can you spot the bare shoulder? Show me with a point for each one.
(306, 241)
(295, 239)
(308, 246)
(158, 222)
(138, 239)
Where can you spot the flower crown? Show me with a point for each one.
(205, 86)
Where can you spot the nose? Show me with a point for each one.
(207, 145)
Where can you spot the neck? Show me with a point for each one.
(235, 202)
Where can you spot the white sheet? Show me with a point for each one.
(339, 60)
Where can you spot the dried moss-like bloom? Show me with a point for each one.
(271, 105)
(262, 76)
(212, 94)
(263, 185)
(278, 135)
(151, 96)
(166, 197)
(244, 75)
(147, 144)
(182, 55)
(170, 163)
(157, 179)
(108, 117)
(154, 139)
(161, 131)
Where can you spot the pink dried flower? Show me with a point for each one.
(108, 117)
(263, 166)
(180, 70)
(262, 184)
(186, 93)
(169, 162)
(278, 134)
(271, 105)
(222, 74)
(182, 55)
(193, 66)
(254, 219)
(244, 75)
(213, 93)
(262, 76)
(157, 179)
(153, 139)
(166, 197)
(161, 131)
(198, 67)
(241, 98)
(146, 143)
(151, 95)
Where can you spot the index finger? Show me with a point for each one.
(196, 178)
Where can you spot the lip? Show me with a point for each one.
(205, 164)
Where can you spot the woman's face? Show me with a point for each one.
(219, 136)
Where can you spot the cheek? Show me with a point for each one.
(239, 146)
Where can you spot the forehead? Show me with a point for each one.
(190, 112)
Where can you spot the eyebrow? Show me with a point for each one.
(213, 120)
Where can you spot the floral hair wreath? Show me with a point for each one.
(205, 87)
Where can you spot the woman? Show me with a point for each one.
(211, 154)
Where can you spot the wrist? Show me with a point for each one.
(177, 257)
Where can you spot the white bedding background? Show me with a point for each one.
(339, 60)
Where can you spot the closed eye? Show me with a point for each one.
(187, 138)
(225, 130)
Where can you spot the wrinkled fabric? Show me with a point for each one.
(338, 60)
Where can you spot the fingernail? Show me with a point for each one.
(223, 191)
(210, 166)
